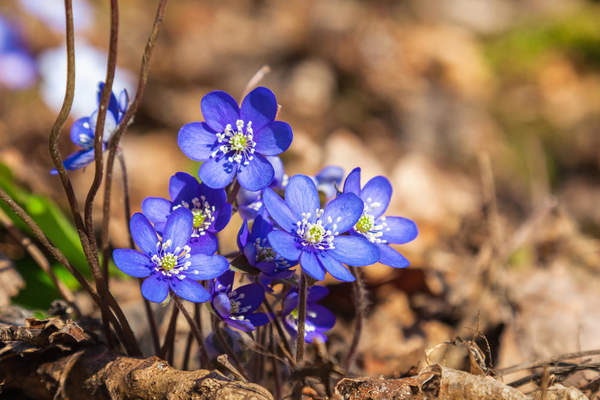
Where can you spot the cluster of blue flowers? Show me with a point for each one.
(319, 224)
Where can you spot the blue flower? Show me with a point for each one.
(318, 318)
(166, 262)
(236, 307)
(378, 229)
(208, 206)
(235, 140)
(258, 251)
(17, 66)
(250, 203)
(314, 235)
(82, 131)
(328, 179)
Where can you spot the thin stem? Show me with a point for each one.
(359, 292)
(143, 79)
(195, 330)
(276, 374)
(40, 260)
(103, 109)
(219, 335)
(188, 349)
(282, 338)
(301, 318)
(167, 347)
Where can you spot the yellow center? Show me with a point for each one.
(238, 142)
(314, 233)
(168, 262)
(199, 218)
(365, 223)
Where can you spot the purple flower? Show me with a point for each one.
(258, 251)
(318, 318)
(250, 203)
(378, 229)
(166, 261)
(208, 206)
(314, 235)
(82, 131)
(235, 140)
(328, 179)
(17, 67)
(236, 307)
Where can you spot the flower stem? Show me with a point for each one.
(301, 318)
(166, 351)
(274, 366)
(360, 307)
(223, 341)
(195, 331)
(273, 317)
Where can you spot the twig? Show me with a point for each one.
(167, 347)
(282, 338)
(40, 260)
(256, 78)
(195, 330)
(275, 367)
(301, 318)
(541, 363)
(360, 307)
(228, 349)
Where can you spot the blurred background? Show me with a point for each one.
(483, 114)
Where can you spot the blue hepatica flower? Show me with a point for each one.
(373, 225)
(236, 307)
(328, 180)
(250, 203)
(82, 131)
(318, 318)
(166, 262)
(256, 248)
(235, 140)
(209, 208)
(313, 235)
(17, 67)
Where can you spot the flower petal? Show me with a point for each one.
(399, 230)
(183, 187)
(301, 195)
(222, 305)
(273, 139)
(251, 296)
(321, 317)
(196, 140)
(156, 209)
(391, 257)
(143, 233)
(217, 174)
(155, 288)
(110, 124)
(78, 160)
(285, 244)
(132, 262)
(81, 133)
(225, 281)
(279, 210)
(354, 250)
(179, 227)
(316, 293)
(310, 265)
(206, 267)
(260, 107)
(344, 211)
(219, 109)
(258, 319)
(335, 268)
(352, 182)
(279, 171)
(189, 290)
(376, 195)
(257, 175)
